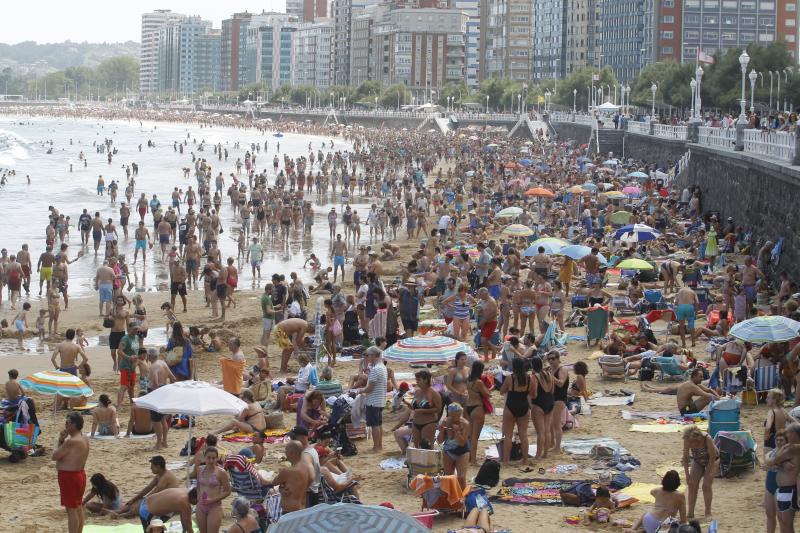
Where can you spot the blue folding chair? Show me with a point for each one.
(668, 367)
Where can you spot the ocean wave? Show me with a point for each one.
(13, 148)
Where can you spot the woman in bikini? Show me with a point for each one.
(516, 387)
(477, 396)
(104, 418)
(107, 493)
(543, 291)
(668, 502)
(213, 486)
(541, 393)
(560, 388)
(771, 481)
(456, 380)
(426, 406)
(461, 303)
(454, 435)
(700, 463)
(527, 309)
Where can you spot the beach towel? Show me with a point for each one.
(270, 436)
(650, 415)
(121, 436)
(533, 491)
(393, 463)
(640, 491)
(86, 407)
(675, 427)
(606, 401)
(584, 446)
(172, 527)
(490, 433)
(232, 372)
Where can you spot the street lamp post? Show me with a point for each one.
(487, 104)
(744, 59)
(693, 85)
(589, 96)
(786, 73)
(627, 99)
(574, 98)
(653, 89)
(770, 91)
(547, 95)
(698, 101)
(519, 103)
(753, 76)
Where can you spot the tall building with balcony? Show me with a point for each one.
(312, 49)
(268, 55)
(582, 34)
(343, 13)
(718, 26)
(627, 36)
(472, 35)
(550, 26)
(187, 52)
(421, 48)
(148, 54)
(669, 33)
(506, 45)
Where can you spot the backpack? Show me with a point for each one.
(350, 327)
(647, 371)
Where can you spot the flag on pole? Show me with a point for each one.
(705, 58)
(596, 77)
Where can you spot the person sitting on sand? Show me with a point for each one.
(692, 396)
(162, 479)
(669, 501)
(13, 389)
(104, 418)
(243, 519)
(250, 420)
(139, 422)
(315, 263)
(106, 492)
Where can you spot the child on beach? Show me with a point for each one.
(80, 338)
(214, 343)
(603, 505)
(53, 309)
(315, 263)
(21, 322)
(40, 323)
(171, 318)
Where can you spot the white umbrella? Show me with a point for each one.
(193, 398)
(347, 518)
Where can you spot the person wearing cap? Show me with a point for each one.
(156, 526)
(162, 479)
(127, 353)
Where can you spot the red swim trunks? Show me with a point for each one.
(488, 329)
(72, 485)
(127, 378)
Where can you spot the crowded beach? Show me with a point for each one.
(512, 335)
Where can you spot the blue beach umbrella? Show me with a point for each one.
(578, 252)
(766, 329)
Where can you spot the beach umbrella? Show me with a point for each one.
(638, 175)
(577, 189)
(525, 162)
(509, 212)
(634, 264)
(636, 233)
(56, 383)
(193, 398)
(589, 186)
(543, 167)
(524, 150)
(614, 195)
(510, 165)
(517, 230)
(766, 329)
(583, 159)
(347, 518)
(611, 162)
(630, 190)
(471, 250)
(578, 252)
(551, 246)
(469, 173)
(620, 217)
(425, 349)
(540, 192)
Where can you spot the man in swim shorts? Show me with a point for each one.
(692, 396)
(104, 283)
(70, 457)
(685, 304)
(337, 254)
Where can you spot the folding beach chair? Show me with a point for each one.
(622, 306)
(737, 452)
(668, 367)
(654, 299)
(554, 340)
(767, 377)
(331, 496)
(612, 366)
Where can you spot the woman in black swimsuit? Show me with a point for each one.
(560, 388)
(427, 406)
(475, 413)
(516, 387)
(542, 406)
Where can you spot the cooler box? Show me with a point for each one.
(723, 415)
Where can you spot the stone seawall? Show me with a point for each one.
(580, 133)
(663, 152)
(759, 194)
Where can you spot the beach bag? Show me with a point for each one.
(579, 495)
(620, 481)
(488, 474)
(647, 371)
(336, 328)
(108, 322)
(20, 436)
(516, 449)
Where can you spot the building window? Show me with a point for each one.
(789, 38)
(691, 34)
(791, 23)
(728, 36)
(791, 7)
(666, 51)
(692, 19)
(668, 19)
(711, 4)
(668, 3)
(730, 4)
(668, 35)
(747, 21)
(767, 6)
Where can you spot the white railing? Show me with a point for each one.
(560, 116)
(776, 144)
(666, 131)
(585, 119)
(642, 128)
(717, 137)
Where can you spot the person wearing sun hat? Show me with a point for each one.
(156, 526)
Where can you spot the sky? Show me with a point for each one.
(48, 21)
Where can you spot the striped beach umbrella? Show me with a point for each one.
(509, 212)
(517, 230)
(766, 329)
(471, 251)
(56, 383)
(425, 349)
(636, 233)
(347, 518)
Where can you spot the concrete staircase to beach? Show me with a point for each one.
(611, 142)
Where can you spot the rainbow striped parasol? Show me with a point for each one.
(56, 383)
(425, 349)
(517, 230)
(470, 249)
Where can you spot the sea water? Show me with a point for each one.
(24, 145)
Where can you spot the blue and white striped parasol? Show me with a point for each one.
(766, 329)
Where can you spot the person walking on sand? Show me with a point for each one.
(70, 456)
(158, 375)
(338, 253)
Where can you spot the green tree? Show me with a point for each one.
(456, 91)
(395, 96)
(367, 91)
(119, 72)
(581, 81)
(672, 80)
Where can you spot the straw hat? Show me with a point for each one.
(260, 350)
(155, 522)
